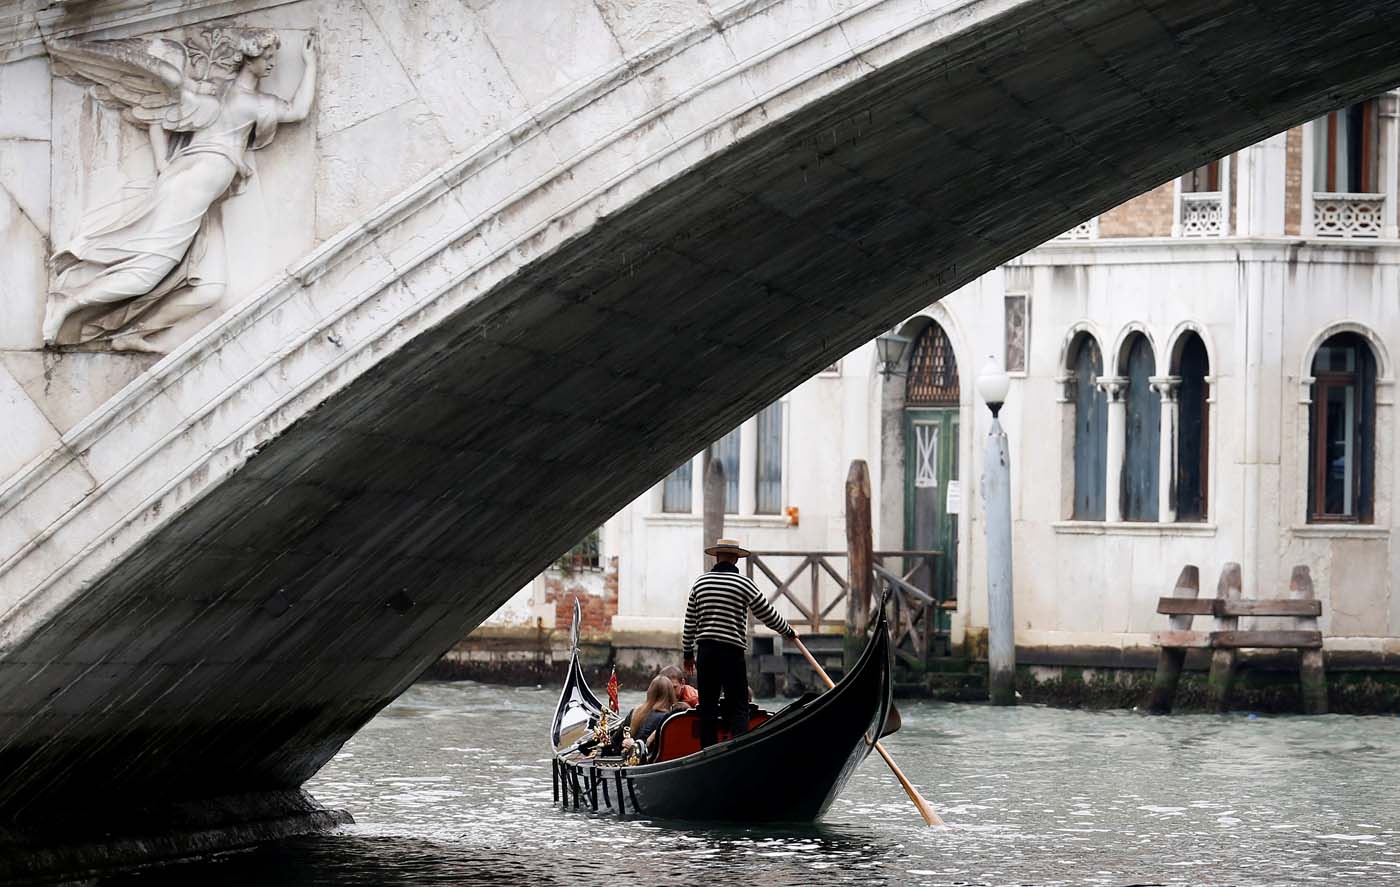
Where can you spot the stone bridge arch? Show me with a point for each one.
(263, 539)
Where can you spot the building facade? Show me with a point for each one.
(1201, 375)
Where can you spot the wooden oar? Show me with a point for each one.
(925, 808)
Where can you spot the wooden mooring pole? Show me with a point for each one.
(1312, 675)
(1222, 660)
(713, 504)
(1171, 659)
(859, 560)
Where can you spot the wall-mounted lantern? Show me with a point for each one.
(890, 348)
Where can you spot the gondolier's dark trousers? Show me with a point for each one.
(720, 669)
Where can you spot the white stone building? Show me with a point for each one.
(1201, 375)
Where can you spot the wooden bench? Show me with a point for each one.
(1227, 639)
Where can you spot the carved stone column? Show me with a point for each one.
(1167, 443)
(1115, 387)
(1389, 138)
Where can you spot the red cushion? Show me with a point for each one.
(680, 734)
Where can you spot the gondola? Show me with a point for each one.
(789, 767)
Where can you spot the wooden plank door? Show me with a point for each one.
(931, 473)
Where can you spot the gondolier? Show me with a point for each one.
(715, 639)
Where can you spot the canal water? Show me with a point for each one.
(450, 785)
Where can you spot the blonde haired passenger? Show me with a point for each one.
(646, 718)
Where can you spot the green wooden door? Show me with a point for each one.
(930, 482)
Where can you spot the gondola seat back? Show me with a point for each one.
(679, 734)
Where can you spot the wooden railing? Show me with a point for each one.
(812, 564)
(916, 612)
(913, 621)
(913, 617)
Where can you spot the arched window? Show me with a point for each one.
(1341, 431)
(1090, 427)
(1143, 415)
(933, 371)
(1192, 467)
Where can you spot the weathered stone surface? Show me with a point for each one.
(641, 24)
(24, 278)
(28, 432)
(24, 176)
(447, 52)
(24, 100)
(552, 51)
(236, 535)
(409, 133)
(361, 76)
(71, 386)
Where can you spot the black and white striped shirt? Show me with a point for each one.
(717, 609)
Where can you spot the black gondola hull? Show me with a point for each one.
(789, 769)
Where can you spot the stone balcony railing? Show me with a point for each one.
(1086, 230)
(1203, 214)
(1360, 216)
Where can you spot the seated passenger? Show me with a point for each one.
(646, 718)
(687, 694)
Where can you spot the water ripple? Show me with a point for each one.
(451, 786)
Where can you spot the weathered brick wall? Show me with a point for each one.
(1147, 215)
(1293, 182)
(597, 610)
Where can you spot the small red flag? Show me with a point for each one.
(612, 690)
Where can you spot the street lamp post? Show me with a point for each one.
(993, 386)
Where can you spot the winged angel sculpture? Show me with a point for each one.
(156, 255)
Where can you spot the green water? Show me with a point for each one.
(451, 786)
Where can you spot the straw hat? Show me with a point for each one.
(728, 546)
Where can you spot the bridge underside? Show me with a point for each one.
(236, 651)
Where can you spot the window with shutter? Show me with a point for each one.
(1341, 431)
(1142, 434)
(1090, 428)
(1193, 429)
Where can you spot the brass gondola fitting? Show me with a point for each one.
(633, 759)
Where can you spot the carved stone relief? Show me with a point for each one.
(156, 255)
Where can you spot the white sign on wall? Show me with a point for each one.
(954, 503)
